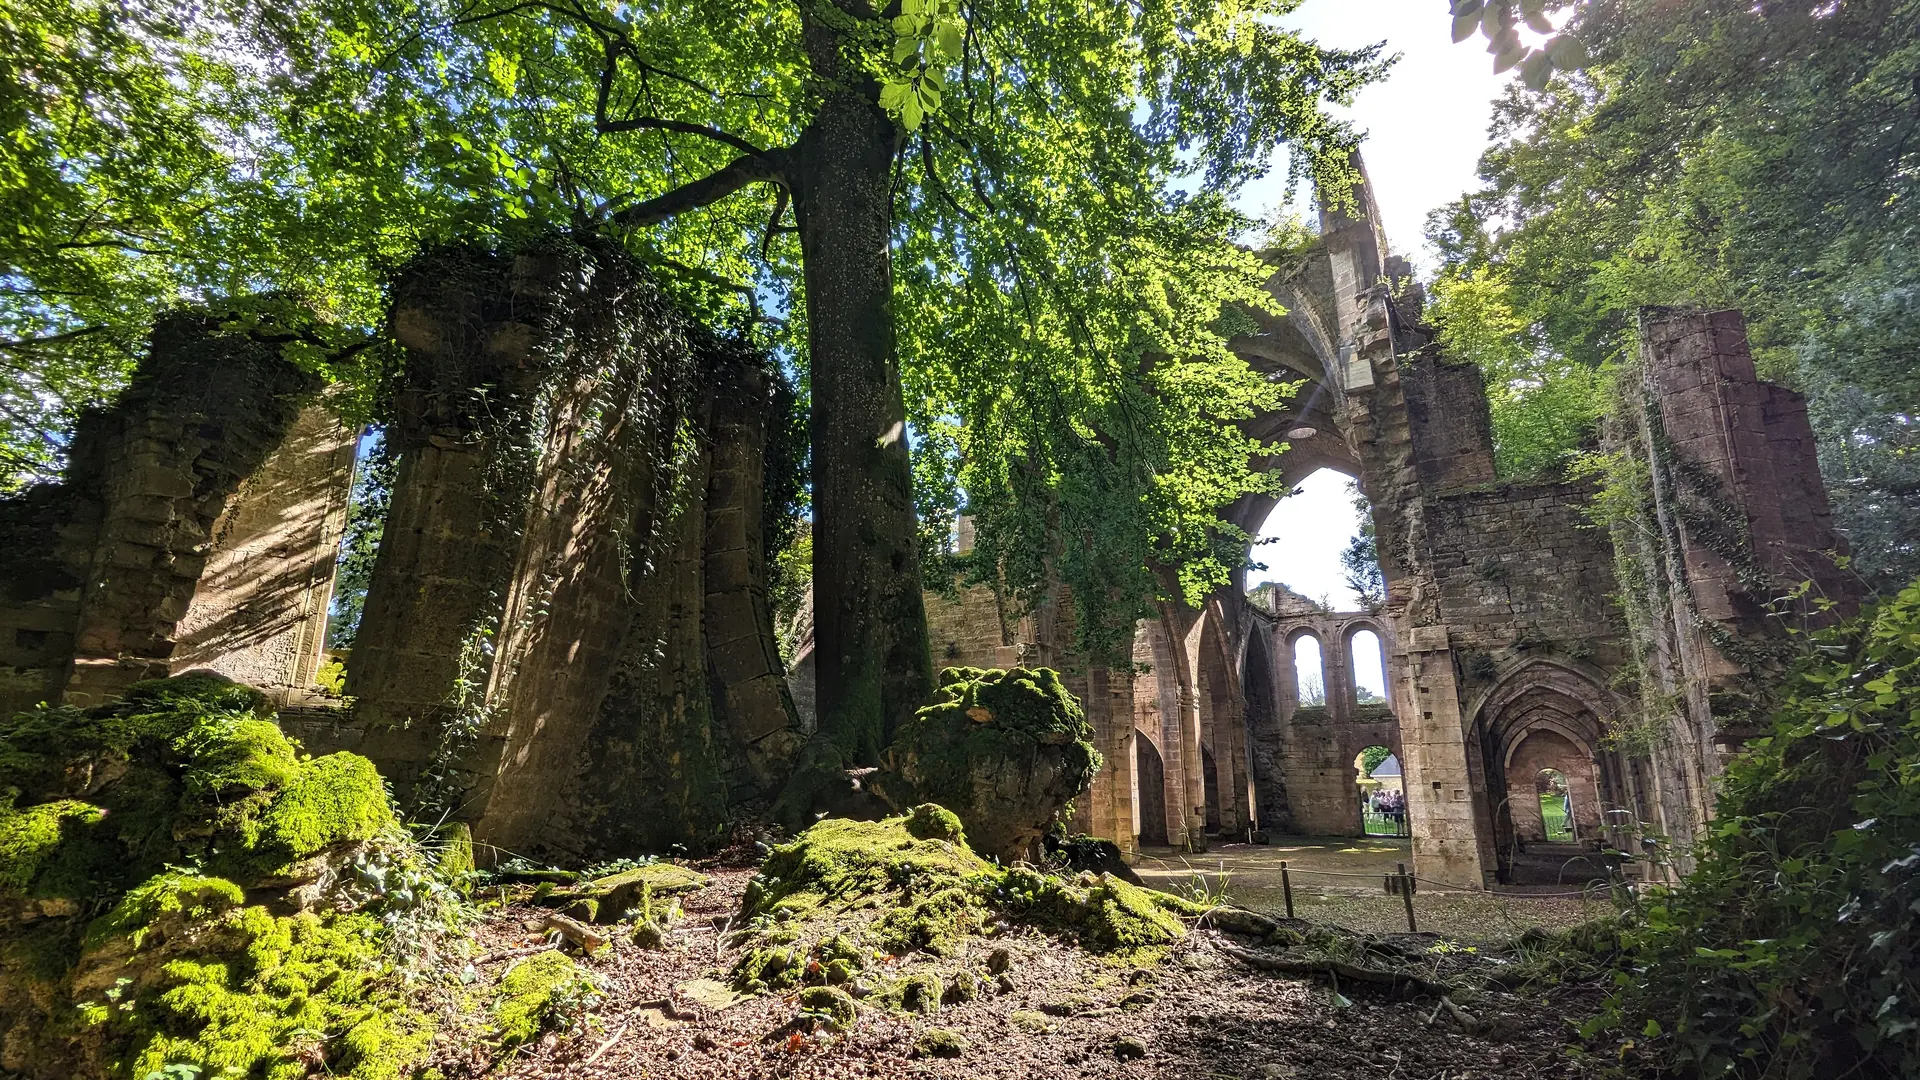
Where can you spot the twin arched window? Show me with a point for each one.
(1366, 662)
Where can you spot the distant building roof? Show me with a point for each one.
(1389, 766)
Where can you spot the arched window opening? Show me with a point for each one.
(1368, 661)
(1383, 796)
(1556, 805)
(1309, 674)
(1318, 542)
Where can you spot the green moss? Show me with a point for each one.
(848, 861)
(940, 1043)
(917, 993)
(981, 724)
(630, 893)
(853, 888)
(271, 997)
(47, 850)
(763, 969)
(930, 821)
(331, 800)
(454, 853)
(935, 923)
(1103, 912)
(830, 1005)
(535, 993)
(189, 896)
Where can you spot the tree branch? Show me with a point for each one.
(707, 190)
(603, 95)
(654, 123)
(48, 339)
(773, 223)
(933, 180)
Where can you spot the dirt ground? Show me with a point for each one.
(1197, 1013)
(1342, 881)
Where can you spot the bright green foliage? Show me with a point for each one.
(139, 165)
(1544, 406)
(1499, 21)
(30, 840)
(538, 992)
(1064, 233)
(1793, 949)
(293, 985)
(1728, 154)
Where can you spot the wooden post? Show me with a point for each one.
(1286, 887)
(1406, 895)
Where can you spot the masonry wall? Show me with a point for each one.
(193, 528)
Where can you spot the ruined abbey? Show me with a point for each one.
(567, 641)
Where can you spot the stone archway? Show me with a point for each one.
(1543, 714)
(1151, 801)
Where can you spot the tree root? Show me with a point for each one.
(1399, 981)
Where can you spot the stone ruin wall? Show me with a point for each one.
(221, 460)
(198, 523)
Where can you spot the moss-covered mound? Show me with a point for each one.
(844, 893)
(179, 771)
(272, 957)
(1005, 750)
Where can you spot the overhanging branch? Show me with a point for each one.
(709, 189)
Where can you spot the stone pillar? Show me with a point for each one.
(1175, 757)
(478, 350)
(206, 410)
(259, 614)
(1110, 803)
(1449, 844)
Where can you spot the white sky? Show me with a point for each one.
(1426, 126)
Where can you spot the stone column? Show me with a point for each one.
(1447, 840)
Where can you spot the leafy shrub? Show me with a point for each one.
(1793, 948)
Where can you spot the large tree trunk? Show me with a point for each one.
(871, 649)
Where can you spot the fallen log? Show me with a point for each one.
(1400, 981)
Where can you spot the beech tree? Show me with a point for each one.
(1056, 175)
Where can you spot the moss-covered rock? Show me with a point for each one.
(831, 1006)
(182, 770)
(632, 890)
(99, 807)
(940, 1043)
(538, 992)
(244, 992)
(1004, 750)
(42, 853)
(331, 800)
(845, 890)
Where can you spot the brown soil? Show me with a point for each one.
(1197, 1013)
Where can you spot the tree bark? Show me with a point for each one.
(872, 654)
